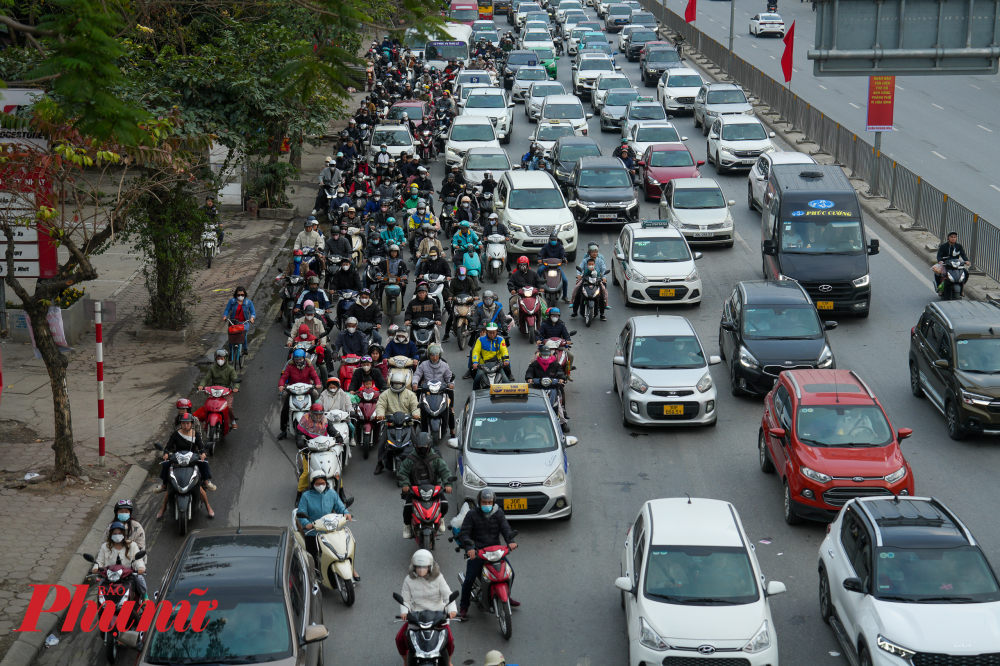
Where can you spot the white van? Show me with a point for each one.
(565, 107)
(468, 132)
(532, 206)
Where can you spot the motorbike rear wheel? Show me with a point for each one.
(211, 434)
(182, 523)
(588, 313)
(503, 615)
(366, 446)
(111, 646)
(461, 333)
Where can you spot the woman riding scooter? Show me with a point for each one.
(424, 589)
(185, 439)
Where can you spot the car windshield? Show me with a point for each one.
(841, 237)
(564, 111)
(531, 75)
(512, 432)
(485, 102)
(574, 153)
(446, 50)
(544, 90)
(536, 198)
(698, 198)
(744, 132)
(667, 352)
(415, 112)
(483, 162)
(593, 26)
(605, 177)
(641, 36)
(651, 112)
(664, 55)
(579, 32)
(670, 158)
(979, 355)
(684, 81)
(657, 134)
(612, 82)
(660, 250)
(472, 133)
(700, 575)
(843, 425)
(597, 47)
(553, 132)
(726, 97)
(545, 54)
(643, 17)
(244, 631)
(781, 323)
(391, 138)
(770, 17)
(465, 14)
(488, 35)
(619, 10)
(596, 64)
(522, 59)
(934, 575)
(620, 98)
(537, 37)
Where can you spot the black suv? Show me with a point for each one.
(769, 327)
(565, 154)
(600, 191)
(656, 58)
(955, 362)
(636, 40)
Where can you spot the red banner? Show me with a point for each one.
(786, 57)
(35, 255)
(691, 13)
(881, 100)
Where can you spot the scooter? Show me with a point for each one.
(391, 288)
(463, 305)
(590, 292)
(365, 428)
(954, 278)
(320, 453)
(210, 243)
(423, 332)
(470, 259)
(426, 520)
(116, 584)
(435, 288)
(498, 574)
(494, 374)
(426, 636)
(292, 286)
(310, 258)
(496, 256)
(347, 298)
(555, 395)
(357, 245)
(299, 402)
(398, 437)
(560, 351)
(447, 217)
(217, 417)
(185, 480)
(427, 151)
(528, 307)
(553, 279)
(348, 364)
(336, 551)
(404, 363)
(434, 404)
(374, 274)
(485, 204)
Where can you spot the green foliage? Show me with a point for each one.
(267, 182)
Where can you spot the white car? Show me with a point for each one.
(736, 141)
(767, 24)
(699, 210)
(643, 135)
(491, 36)
(643, 110)
(396, 138)
(757, 178)
(573, 44)
(691, 585)
(468, 132)
(546, 134)
(654, 265)
(476, 76)
(587, 68)
(494, 104)
(536, 39)
(570, 22)
(677, 88)
(565, 107)
(903, 581)
(662, 357)
(531, 206)
(537, 93)
(605, 82)
(483, 25)
(480, 160)
(463, 89)
(565, 6)
(537, 26)
(523, 79)
(623, 36)
(602, 8)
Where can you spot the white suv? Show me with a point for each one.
(735, 142)
(903, 581)
(692, 587)
(587, 68)
(468, 132)
(532, 206)
(491, 103)
(565, 107)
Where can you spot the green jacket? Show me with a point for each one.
(438, 467)
(220, 375)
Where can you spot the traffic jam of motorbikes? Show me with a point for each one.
(432, 256)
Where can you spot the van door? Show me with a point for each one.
(769, 230)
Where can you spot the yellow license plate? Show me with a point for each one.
(824, 305)
(515, 504)
(673, 410)
(666, 293)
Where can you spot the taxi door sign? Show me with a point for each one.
(508, 389)
(473, 79)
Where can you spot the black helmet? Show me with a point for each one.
(423, 444)
(553, 237)
(485, 494)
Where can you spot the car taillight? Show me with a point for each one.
(913, 331)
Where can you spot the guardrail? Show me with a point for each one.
(931, 209)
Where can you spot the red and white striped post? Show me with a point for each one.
(99, 357)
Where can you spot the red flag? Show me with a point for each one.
(786, 57)
(691, 13)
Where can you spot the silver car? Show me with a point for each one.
(613, 109)
(524, 78)
(478, 161)
(512, 444)
(719, 99)
(536, 95)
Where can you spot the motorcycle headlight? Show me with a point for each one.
(636, 384)
(862, 281)
(114, 576)
(975, 399)
(761, 640)
(818, 477)
(556, 478)
(826, 358)
(649, 638)
(893, 649)
(472, 479)
(897, 475)
(693, 276)
(747, 359)
(704, 383)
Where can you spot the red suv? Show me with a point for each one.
(826, 434)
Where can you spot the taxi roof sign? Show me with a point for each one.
(497, 390)
(653, 224)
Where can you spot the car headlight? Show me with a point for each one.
(747, 359)
(693, 276)
(635, 276)
(749, 111)
(825, 358)
(785, 277)
(893, 649)
(897, 475)
(516, 227)
(653, 181)
(814, 475)
(649, 638)
(761, 640)
(711, 113)
(769, 149)
(556, 478)
(636, 384)
(975, 398)
(472, 479)
(704, 383)
(725, 150)
(729, 221)
(862, 281)
(567, 227)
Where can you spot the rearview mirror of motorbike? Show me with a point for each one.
(607, 270)
(158, 447)
(714, 360)
(453, 443)
(89, 557)
(903, 433)
(618, 360)
(288, 332)
(141, 554)
(314, 633)
(348, 502)
(777, 432)
(452, 479)
(572, 333)
(454, 595)
(513, 534)
(572, 441)
(398, 597)
(829, 325)
(941, 363)
(302, 514)
(129, 639)
(624, 584)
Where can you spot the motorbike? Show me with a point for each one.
(427, 517)
(426, 638)
(423, 332)
(357, 245)
(485, 204)
(494, 374)
(447, 215)
(435, 288)
(291, 288)
(528, 310)
(496, 256)
(560, 352)
(953, 279)
(116, 584)
(374, 272)
(360, 200)
(346, 300)
(434, 404)
(463, 305)
(348, 364)
(555, 395)
(497, 576)
(310, 258)
(553, 279)
(398, 437)
(403, 363)
(216, 421)
(391, 287)
(210, 243)
(323, 453)
(473, 264)
(427, 151)
(299, 402)
(336, 551)
(185, 479)
(590, 292)
(312, 356)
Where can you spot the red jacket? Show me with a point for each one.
(294, 375)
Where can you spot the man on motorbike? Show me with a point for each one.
(351, 340)
(464, 238)
(397, 267)
(399, 398)
(400, 345)
(590, 271)
(373, 205)
(310, 237)
(313, 293)
(462, 283)
(554, 250)
(296, 372)
(393, 235)
(493, 225)
(420, 306)
(428, 239)
(366, 310)
(422, 467)
(317, 328)
(341, 199)
(376, 247)
(410, 203)
(488, 184)
(483, 526)
(545, 365)
(223, 374)
(488, 348)
(948, 250)
(435, 264)
(553, 327)
(350, 152)
(338, 245)
(436, 369)
(349, 219)
(522, 277)
(408, 167)
(417, 220)
(450, 188)
(329, 179)
(599, 265)
(467, 211)
(318, 501)
(345, 278)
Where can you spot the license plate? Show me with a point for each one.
(537, 242)
(515, 504)
(824, 305)
(666, 293)
(673, 410)
(606, 216)
(748, 161)
(689, 107)
(703, 234)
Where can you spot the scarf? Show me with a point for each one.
(545, 362)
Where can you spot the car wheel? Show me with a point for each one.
(791, 517)
(864, 659)
(915, 380)
(719, 169)
(825, 604)
(708, 152)
(645, 192)
(763, 269)
(614, 278)
(628, 303)
(704, 129)
(625, 423)
(764, 455)
(694, 117)
(722, 350)
(955, 430)
(750, 203)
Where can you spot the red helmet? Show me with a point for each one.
(297, 253)
(184, 404)
(316, 408)
(522, 259)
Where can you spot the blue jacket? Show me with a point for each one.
(550, 251)
(248, 309)
(599, 264)
(394, 235)
(372, 207)
(461, 241)
(317, 296)
(352, 343)
(395, 349)
(316, 505)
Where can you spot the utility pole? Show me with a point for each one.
(732, 35)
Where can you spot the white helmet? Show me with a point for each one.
(316, 474)
(397, 382)
(422, 558)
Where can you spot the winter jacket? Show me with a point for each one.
(133, 532)
(599, 264)
(466, 286)
(390, 402)
(292, 374)
(416, 309)
(341, 400)
(483, 529)
(433, 372)
(438, 468)
(536, 371)
(394, 235)
(109, 556)
(221, 375)
(318, 504)
(550, 251)
(361, 376)
(489, 350)
(437, 266)
(345, 280)
(319, 298)
(461, 241)
(549, 330)
(248, 309)
(426, 244)
(351, 343)
(420, 594)
(366, 315)
(339, 247)
(308, 239)
(528, 278)
(480, 316)
(315, 327)
(408, 349)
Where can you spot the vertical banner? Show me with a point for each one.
(691, 12)
(881, 100)
(786, 56)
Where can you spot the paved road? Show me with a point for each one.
(570, 613)
(951, 160)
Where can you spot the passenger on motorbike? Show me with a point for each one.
(367, 372)
(599, 265)
(334, 397)
(133, 530)
(365, 310)
(553, 327)
(223, 374)
(427, 239)
(489, 184)
(436, 369)
(421, 217)
(462, 283)
(340, 199)
(424, 589)
(313, 293)
(420, 306)
(483, 526)
(317, 502)
(545, 365)
(345, 278)
(183, 407)
(399, 398)
(310, 237)
(185, 439)
(520, 278)
(423, 466)
(602, 302)
(117, 548)
(296, 372)
(489, 347)
(554, 250)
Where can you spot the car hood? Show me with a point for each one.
(667, 174)
(859, 461)
(591, 74)
(680, 92)
(988, 383)
(525, 467)
(486, 113)
(920, 627)
(680, 378)
(466, 145)
(723, 109)
(776, 352)
(613, 111)
(476, 175)
(667, 269)
(702, 216)
(601, 194)
(746, 145)
(547, 216)
(690, 626)
(821, 267)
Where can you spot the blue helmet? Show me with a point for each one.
(299, 353)
(117, 526)
(553, 311)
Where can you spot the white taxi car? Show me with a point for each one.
(468, 132)
(494, 104)
(767, 24)
(655, 266)
(546, 134)
(537, 93)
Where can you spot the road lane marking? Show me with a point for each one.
(604, 238)
(985, 128)
(900, 87)
(940, 107)
(742, 242)
(794, 70)
(921, 277)
(823, 87)
(939, 154)
(995, 188)
(976, 87)
(772, 57)
(854, 105)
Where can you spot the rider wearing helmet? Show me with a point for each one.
(117, 548)
(366, 310)
(483, 526)
(317, 502)
(299, 371)
(222, 374)
(184, 439)
(395, 265)
(422, 467)
(295, 266)
(434, 263)
(421, 306)
(338, 244)
(493, 225)
(313, 293)
(545, 365)
(393, 233)
(184, 406)
(351, 340)
(345, 278)
(424, 589)
(329, 179)
(464, 238)
(462, 283)
(400, 345)
(133, 530)
(399, 398)
(421, 216)
(367, 372)
(554, 250)
(600, 265)
(436, 369)
(428, 239)
(554, 327)
(310, 237)
(488, 348)
(522, 277)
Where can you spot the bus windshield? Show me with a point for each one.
(447, 50)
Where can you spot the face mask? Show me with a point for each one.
(309, 317)
(487, 509)
(555, 320)
(366, 368)
(553, 242)
(117, 538)
(220, 361)
(303, 337)
(523, 268)
(545, 354)
(384, 150)
(363, 301)
(123, 517)
(240, 298)
(421, 571)
(351, 329)
(432, 257)
(320, 487)
(465, 206)
(299, 362)
(402, 341)
(345, 268)
(487, 302)
(298, 260)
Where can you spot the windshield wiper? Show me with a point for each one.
(813, 442)
(856, 445)
(889, 597)
(708, 600)
(953, 600)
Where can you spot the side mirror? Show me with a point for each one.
(314, 633)
(454, 595)
(348, 502)
(854, 585)
(572, 333)
(731, 202)
(873, 246)
(398, 597)
(158, 447)
(619, 256)
(90, 558)
(829, 325)
(510, 105)
(589, 116)
(775, 587)
(624, 584)
(499, 205)
(713, 135)
(700, 162)
(771, 134)
(573, 68)
(139, 555)
(453, 443)
(777, 432)
(714, 360)
(729, 326)
(618, 68)
(684, 138)
(770, 248)
(572, 203)
(903, 433)
(697, 256)
(618, 360)
(129, 639)
(641, 163)
(942, 363)
(513, 534)
(571, 441)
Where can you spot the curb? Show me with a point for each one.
(29, 644)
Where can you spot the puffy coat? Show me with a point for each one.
(484, 529)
